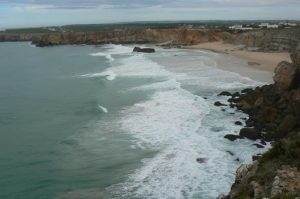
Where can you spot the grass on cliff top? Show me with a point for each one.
(284, 152)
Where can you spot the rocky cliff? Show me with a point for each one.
(270, 40)
(274, 115)
(180, 36)
(263, 40)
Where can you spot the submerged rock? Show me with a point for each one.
(232, 137)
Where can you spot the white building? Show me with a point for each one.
(240, 27)
(288, 24)
(273, 26)
(263, 25)
(267, 25)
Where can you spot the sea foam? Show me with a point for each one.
(180, 126)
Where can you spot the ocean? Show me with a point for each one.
(103, 122)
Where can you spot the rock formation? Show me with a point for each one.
(174, 37)
(144, 50)
(274, 115)
(270, 40)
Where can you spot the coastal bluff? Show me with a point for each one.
(264, 40)
(171, 37)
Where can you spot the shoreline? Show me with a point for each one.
(266, 61)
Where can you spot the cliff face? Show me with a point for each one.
(172, 36)
(270, 40)
(264, 40)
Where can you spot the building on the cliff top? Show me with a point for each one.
(288, 24)
(240, 27)
(267, 25)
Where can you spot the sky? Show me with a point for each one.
(34, 13)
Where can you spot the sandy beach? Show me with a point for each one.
(259, 60)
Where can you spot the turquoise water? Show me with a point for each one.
(101, 122)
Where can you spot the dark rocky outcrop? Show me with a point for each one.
(219, 104)
(144, 50)
(250, 133)
(225, 93)
(274, 115)
(238, 123)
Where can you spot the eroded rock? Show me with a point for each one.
(284, 75)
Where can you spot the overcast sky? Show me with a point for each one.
(25, 13)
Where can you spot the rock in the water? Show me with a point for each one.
(250, 133)
(232, 137)
(144, 50)
(284, 75)
(201, 160)
(259, 146)
(238, 123)
(224, 93)
(219, 104)
(230, 153)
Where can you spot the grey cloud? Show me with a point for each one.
(89, 4)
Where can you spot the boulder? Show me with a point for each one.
(144, 50)
(238, 123)
(258, 146)
(219, 104)
(250, 133)
(284, 75)
(224, 93)
(232, 137)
